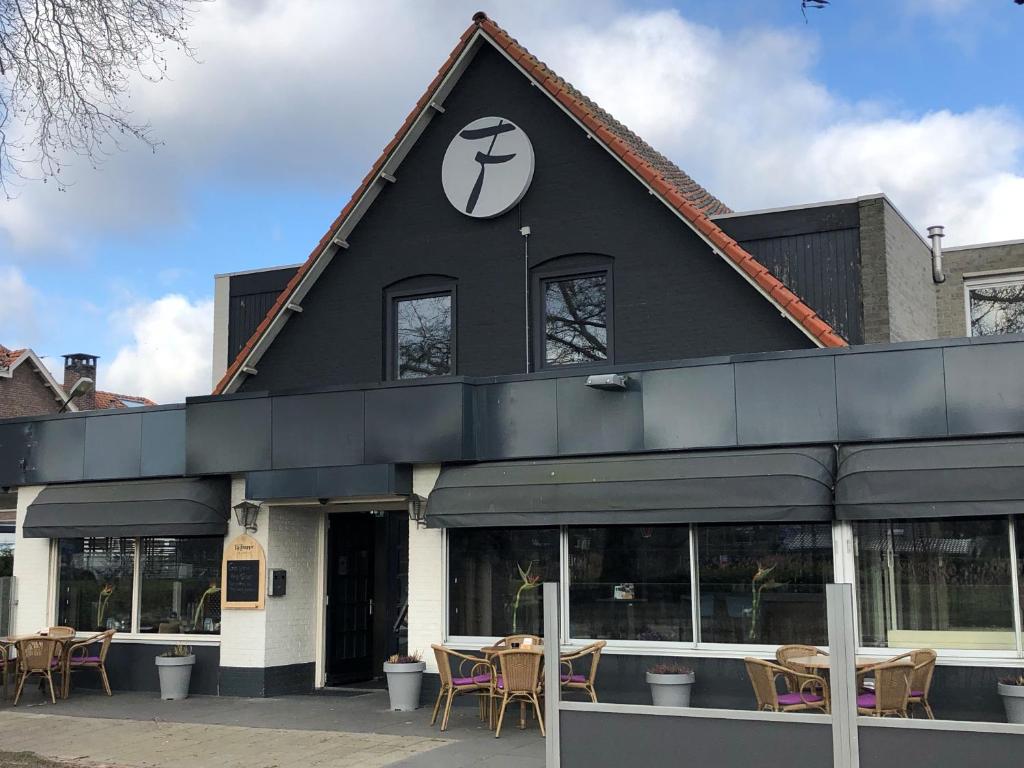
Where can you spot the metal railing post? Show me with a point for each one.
(552, 684)
(842, 677)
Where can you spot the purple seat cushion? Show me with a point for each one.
(916, 694)
(789, 699)
(573, 678)
(866, 701)
(85, 660)
(475, 680)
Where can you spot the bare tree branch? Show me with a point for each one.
(65, 70)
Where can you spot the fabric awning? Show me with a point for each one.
(783, 484)
(947, 478)
(174, 507)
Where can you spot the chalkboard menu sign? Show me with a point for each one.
(244, 574)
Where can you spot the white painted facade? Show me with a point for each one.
(33, 572)
(426, 575)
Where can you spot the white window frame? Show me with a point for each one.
(986, 281)
(134, 635)
(844, 566)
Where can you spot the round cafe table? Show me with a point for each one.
(824, 662)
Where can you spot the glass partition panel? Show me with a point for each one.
(495, 578)
(764, 584)
(94, 587)
(181, 585)
(935, 583)
(630, 583)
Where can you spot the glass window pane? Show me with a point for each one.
(997, 309)
(94, 588)
(575, 320)
(764, 584)
(423, 336)
(630, 583)
(495, 577)
(181, 585)
(935, 583)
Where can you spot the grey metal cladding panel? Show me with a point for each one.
(113, 446)
(590, 739)
(163, 443)
(228, 436)
(882, 747)
(415, 424)
(58, 451)
(786, 401)
(883, 395)
(516, 419)
(596, 421)
(330, 482)
(985, 388)
(14, 447)
(689, 407)
(317, 430)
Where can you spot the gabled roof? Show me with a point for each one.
(108, 400)
(691, 202)
(11, 359)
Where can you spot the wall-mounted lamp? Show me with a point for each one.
(378, 513)
(613, 382)
(418, 510)
(246, 513)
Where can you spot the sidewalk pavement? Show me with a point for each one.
(138, 730)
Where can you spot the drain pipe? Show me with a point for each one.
(935, 233)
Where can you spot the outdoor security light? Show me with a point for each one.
(83, 386)
(418, 510)
(245, 514)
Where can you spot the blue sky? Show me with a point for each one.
(266, 138)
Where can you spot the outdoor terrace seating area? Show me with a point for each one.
(52, 656)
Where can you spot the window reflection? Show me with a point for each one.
(94, 589)
(997, 308)
(181, 585)
(630, 583)
(764, 584)
(935, 583)
(575, 320)
(423, 336)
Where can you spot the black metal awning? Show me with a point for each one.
(174, 507)
(781, 485)
(947, 478)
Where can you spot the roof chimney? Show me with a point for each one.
(936, 233)
(80, 366)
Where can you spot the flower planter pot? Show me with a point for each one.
(404, 684)
(670, 690)
(175, 675)
(1013, 701)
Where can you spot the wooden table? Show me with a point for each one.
(825, 662)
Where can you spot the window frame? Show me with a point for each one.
(581, 267)
(392, 296)
(133, 635)
(986, 280)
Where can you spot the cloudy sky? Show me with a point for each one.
(265, 137)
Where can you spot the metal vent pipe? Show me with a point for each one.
(935, 234)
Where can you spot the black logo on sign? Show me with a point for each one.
(486, 158)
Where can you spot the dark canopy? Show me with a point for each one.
(784, 484)
(175, 507)
(948, 478)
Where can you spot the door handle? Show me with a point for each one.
(371, 606)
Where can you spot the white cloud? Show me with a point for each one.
(169, 355)
(19, 319)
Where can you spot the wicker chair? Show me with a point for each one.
(61, 633)
(923, 660)
(37, 656)
(4, 661)
(786, 653)
(573, 680)
(891, 692)
(80, 657)
(519, 680)
(478, 679)
(812, 690)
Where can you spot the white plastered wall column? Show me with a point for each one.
(426, 574)
(33, 572)
(291, 621)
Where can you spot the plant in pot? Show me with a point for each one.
(1011, 689)
(405, 679)
(175, 669)
(670, 685)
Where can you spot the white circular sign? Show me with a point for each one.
(488, 167)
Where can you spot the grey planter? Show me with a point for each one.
(175, 675)
(1013, 701)
(404, 684)
(670, 690)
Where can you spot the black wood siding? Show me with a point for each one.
(674, 298)
(251, 297)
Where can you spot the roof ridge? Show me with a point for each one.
(675, 187)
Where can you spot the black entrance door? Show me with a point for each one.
(350, 591)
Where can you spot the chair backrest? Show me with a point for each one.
(36, 653)
(892, 686)
(595, 656)
(518, 641)
(444, 665)
(923, 660)
(787, 652)
(520, 669)
(105, 639)
(61, 632)
(762, 677)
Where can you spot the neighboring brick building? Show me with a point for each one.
(998, 266)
